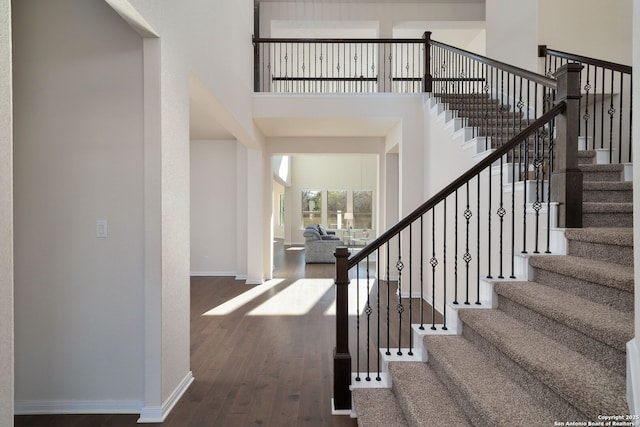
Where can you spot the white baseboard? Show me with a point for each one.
(633, 377)
(157, 414)
(213, 273)
(41, 407)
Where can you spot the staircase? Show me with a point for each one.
(552, 349)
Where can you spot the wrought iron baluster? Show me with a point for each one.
(388, 352)
(434, 262)
(489, 239)
(379, 365)
(612, 112)
(604, 77)
(549, 174)
(400, 267)
(501, 213)
(455, 252)
(538, 164)
(620, 118)
(368, 310)
(467, 255)
(478, 241)
(513, 207)
(410, 353)
(524, 191)
(587, 116)
(444, 268)
(421, 272)
(630, 117)
(358, 323)
(595, 88)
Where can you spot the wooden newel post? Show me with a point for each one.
(567, 177)
(341, 356)
(428, 78)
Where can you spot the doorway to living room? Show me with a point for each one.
(338, 192)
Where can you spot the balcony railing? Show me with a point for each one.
(339, 65)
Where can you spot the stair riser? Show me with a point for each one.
(537, 389)
(600, 352)
(586, 160)
(604, 196)
(602, 176)
(602, 219)
(476, 109)
(490, 122)
(595, 292)
(602, 252)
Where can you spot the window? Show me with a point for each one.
(311, 207)
(336, 202)
(362, 209)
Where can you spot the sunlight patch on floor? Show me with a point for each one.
(357, 302)
(235, 303)
(296, 299)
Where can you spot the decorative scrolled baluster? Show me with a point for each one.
(400, 306)
(467, 255)
(434, 263)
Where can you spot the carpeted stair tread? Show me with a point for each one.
(412, 382)
(590, 270)
(603, 323)
(489, 393)
(618, 236)
(589, 387)
(378, 407)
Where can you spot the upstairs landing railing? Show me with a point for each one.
(285, 65)
(438, 252)
(605, 104)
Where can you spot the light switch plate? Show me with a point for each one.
(101, 228)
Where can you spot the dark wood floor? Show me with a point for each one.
(249, 369)
(266, 361)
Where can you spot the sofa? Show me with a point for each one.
(320, 245)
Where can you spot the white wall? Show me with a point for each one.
(214, 40)
(592, 28)
(6, 219)
(78, 158)
(369, 15)
(512, 32)
(596, 28)
(189, 33)
(326, 172)
(213, 208)
(633, 348)
(467, 35)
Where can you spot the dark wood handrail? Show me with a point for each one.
(543, 51)
(314, 40)
(530, 75)
(456, 184)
